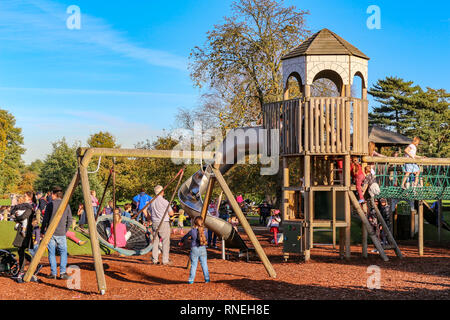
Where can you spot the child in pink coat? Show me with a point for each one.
(122, 235)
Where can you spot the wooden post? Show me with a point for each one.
(364, 241)
(439, 224)
(208, 195)
(420, 228)
(307, 214)
(52, 227)
(333, 201)
(342, 243)
(259, 250)
(101, 282)
(114, 201)
(285, 200)
(413, 223)
(348, 214)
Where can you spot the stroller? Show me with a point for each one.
(8, 263)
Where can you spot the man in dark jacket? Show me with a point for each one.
(58, 239)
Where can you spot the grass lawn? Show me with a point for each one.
(5, 202)
(7, 235)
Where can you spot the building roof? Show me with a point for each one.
(385, 137)
(325, 42)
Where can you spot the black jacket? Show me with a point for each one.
(64, 223)
(20, 241)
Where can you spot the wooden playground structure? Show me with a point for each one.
(320, 134)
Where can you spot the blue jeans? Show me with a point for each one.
(34, 250)
(196, 254)
(212, 238)
(142, 214)
(59, 242)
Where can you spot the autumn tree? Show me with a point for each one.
(240, 63)
(11, 151)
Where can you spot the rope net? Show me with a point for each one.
(139, 242)
(433, 182)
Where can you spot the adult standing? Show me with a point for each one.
(24, 216)
(160, 220)
(141, 200)
(264, 212)
(59, 239)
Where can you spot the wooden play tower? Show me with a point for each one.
(319, 135)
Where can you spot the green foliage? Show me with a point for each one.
(11, 151)
(394, 113)
(58, 170)
(240, 62)
(411, 111)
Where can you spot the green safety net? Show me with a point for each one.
(433, 182)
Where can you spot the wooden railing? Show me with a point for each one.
(319, 125)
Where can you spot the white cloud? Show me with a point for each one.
(42, 24)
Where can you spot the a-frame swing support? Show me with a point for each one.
(85, 155)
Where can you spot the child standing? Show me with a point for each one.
(198, 249)
(36, 236)
(274, 224)
(181, 219)
(127, 211)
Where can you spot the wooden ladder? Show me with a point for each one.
(369, 228)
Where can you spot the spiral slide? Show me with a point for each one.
(234, 147)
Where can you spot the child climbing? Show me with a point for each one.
(198, 249)
(274, 224)
(358, 176)
(121, 233)
(370, 183)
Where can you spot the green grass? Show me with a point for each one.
(5, 202)
(7, 235)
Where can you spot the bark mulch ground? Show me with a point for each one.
(324, 277)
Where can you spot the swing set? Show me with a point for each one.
(140, 241)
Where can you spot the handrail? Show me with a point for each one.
(403, 160)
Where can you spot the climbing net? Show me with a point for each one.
(433, 182)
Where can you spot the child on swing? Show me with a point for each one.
(198, 236)
(122, 235)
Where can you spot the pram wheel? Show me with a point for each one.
(14, 271)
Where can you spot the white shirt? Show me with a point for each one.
(412, 151)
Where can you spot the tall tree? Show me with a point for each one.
(394, 113)
(240, 62)
(58, 170)
(11, 151)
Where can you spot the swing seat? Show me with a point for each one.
(139, 243)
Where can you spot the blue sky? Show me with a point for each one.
(126, 71)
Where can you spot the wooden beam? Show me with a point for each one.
(52, 227)
(368, 226)
(101, 282)
(420, 228)
(247, 228)
(208, 195)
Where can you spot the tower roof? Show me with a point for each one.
(325, 42)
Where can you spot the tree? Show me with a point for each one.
(58, 170)
(11, 151)
(431, 121)
(241, 60)
(395, 112)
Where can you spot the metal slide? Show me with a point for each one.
(234, 147)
